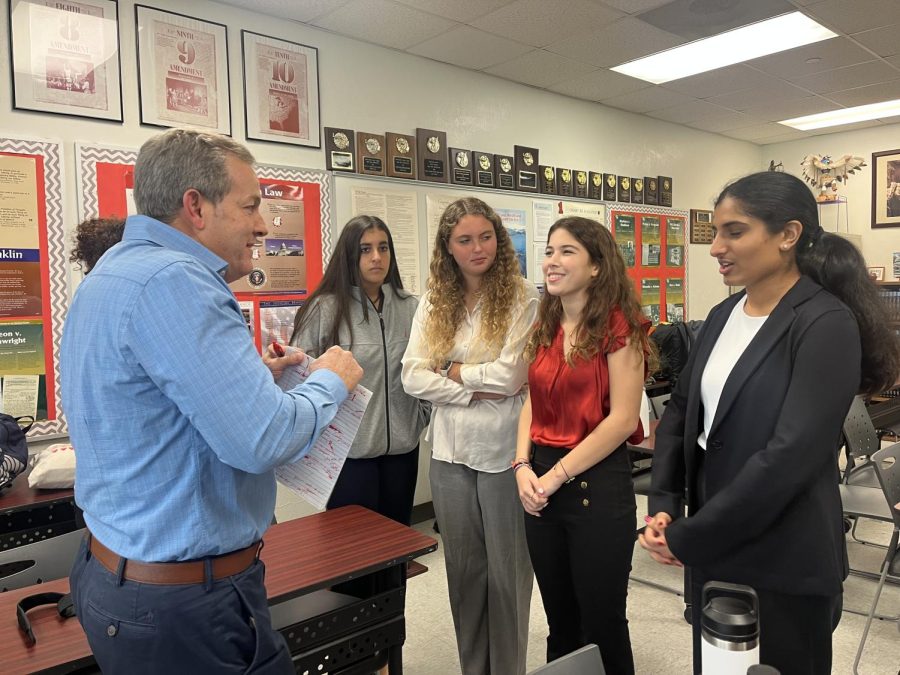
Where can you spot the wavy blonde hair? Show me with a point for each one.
(611, 288)
(501, 288)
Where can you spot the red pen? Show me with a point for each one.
(278, 349)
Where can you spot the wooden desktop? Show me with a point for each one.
(302, 556)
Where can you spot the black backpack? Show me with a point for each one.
(13, 447)
(674, 342)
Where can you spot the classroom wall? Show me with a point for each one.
(878, 244)
(370, 88)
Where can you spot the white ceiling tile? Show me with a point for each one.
(599, 84)
(634, 6)
(298, 10)
(458, 10)
(645, 100)
(728, 120)
(542, 22)
(814, 58)
(785, 110)
(789, 135)
(689, 112)
(541, 69)
(883, 41)
(886, 91)
(623, 41)
(719, 81)
(852, 16)
(757, 131)
(775, 91)
(384, 23)
(860, 75)
(470, 48)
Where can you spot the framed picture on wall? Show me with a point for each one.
(281, 90)
(886, 188)
(876, 273)
(182, 70)
(64, 57)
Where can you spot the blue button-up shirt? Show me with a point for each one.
(176, 421)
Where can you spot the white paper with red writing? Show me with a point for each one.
(315, 476)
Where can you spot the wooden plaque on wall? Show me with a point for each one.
(701, 226)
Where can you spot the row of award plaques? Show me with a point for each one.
(426, 157)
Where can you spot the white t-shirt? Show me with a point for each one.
(737, 334)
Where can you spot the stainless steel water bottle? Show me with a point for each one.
(729, 629)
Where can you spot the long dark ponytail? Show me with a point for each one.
(828, 259)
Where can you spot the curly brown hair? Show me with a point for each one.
(501, 288)
(93, 237)
(611, 288)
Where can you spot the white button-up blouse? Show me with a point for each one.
(480, 434)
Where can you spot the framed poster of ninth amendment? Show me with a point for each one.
(281, 90)
(182, 71)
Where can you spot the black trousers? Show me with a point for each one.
(581, 550)
(385, 484)
(794, 630)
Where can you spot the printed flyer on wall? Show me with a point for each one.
(675, 242)
(650, 299)
(624, 235)
(650, 241)
(674, 300)
(279, 264)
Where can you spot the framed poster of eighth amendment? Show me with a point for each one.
(65, 57)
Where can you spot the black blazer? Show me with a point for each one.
(769, 512)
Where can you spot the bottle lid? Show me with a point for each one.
(730, 619)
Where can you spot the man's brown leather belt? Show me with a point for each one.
(173, 573)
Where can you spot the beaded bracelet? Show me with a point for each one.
(519, 463)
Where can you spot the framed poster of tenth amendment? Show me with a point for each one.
(281, 90)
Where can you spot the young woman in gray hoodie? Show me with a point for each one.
(360, 305)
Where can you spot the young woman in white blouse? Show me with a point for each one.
(465, 356)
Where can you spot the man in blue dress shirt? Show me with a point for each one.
(179, 424)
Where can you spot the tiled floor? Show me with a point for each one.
(660, 638)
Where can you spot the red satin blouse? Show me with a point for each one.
(568, 402)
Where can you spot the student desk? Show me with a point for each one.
(28, 515)
(302, 557)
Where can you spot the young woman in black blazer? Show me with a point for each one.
(751, 434)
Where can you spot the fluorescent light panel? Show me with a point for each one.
(735, 46)
(832, 118)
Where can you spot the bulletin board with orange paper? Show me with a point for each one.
(33, 293)
(652, 243)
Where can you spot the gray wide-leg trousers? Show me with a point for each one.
(488, 569)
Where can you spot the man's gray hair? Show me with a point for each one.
(180, 159)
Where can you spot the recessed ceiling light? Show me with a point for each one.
(735, 46)
(860, 113)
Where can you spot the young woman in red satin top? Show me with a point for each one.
(588, 356)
